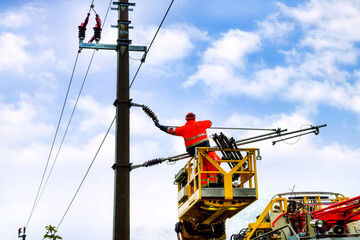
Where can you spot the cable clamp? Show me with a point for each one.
(122, 42)
(317, 130)
(116, 102)
(143, 58)
(116, 166)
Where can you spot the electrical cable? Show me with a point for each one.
(39, 194)
(82, 181)
(104, 136)
(53, 142)
(293, 143)
(152, 41)
(67, 128)
(135, 59)
(73, 111)
(37, 198)
(91, 6)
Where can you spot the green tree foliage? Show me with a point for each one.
(51, 233)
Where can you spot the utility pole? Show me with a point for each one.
(121, 230)
(121, 225)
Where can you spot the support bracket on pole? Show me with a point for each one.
(124, 4)
(115, 166)
(101, 46)
(116, 102)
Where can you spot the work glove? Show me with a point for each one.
(161, 127)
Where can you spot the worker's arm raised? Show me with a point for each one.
(169, 130)
(161, 127)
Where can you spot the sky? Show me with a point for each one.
(262, 64)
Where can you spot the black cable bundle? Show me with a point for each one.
(150, 113)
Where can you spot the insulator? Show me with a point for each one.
(153, 162)
(97, 34)
(82, 30)
(150, 113)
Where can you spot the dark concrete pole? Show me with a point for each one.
(121, 230)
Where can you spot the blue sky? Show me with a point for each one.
(262, 64)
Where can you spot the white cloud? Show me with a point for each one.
(222, 61)
(18, 122)
(274, 29)
(212, 74)
(144, 150)
(47, 56)
(141, 124)
(323, 66)
(94, 114)
(13, 54)
(314, 75)
(221, 80)
(342, 96)
(329, 24)
(17, 58)
(29, 42)
(232, 48)
(21, 17)
(309, 14)
(48, 81)
(268, 81)
(172, 43)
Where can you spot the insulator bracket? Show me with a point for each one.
(124, 4)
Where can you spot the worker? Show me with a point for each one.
(194, 134)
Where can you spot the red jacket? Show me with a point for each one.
(193, 132)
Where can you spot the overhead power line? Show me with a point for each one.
(82, 181)
(41, 186)
(72, 114)
(152, 41)
(66, 130)
(107, 12)
(53, 142)
(91, 6)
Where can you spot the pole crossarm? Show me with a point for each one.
(103, 46)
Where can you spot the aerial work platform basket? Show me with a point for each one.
(203, 211)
